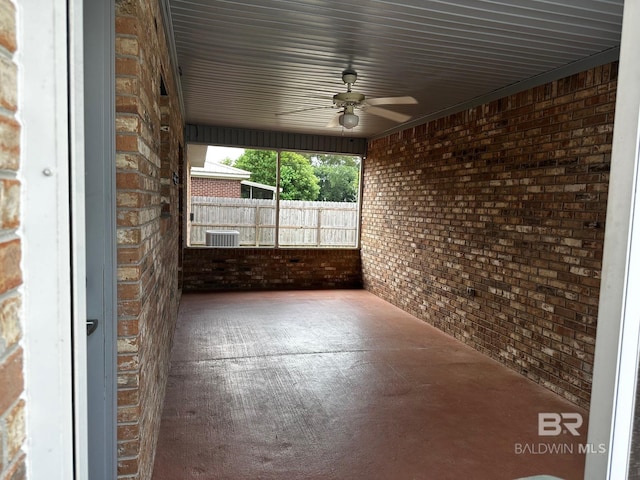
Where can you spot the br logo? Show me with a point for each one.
(553, 424)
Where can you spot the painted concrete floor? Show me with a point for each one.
(342, 385)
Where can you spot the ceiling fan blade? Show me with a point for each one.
(335, 120)
(383, 112)
(307, 109)
(392, 101)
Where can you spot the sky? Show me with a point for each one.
(216, 154)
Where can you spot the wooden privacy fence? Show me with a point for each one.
(319, 224)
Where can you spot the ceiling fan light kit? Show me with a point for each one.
(349, 119)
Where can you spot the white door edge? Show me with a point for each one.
(50, 114)
(613, 390)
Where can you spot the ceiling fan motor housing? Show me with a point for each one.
(348, 98)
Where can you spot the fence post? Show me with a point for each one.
(257, 229)
(319, 234)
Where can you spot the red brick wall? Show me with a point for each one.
(148, 138)
(507, 199)
(12, 407)
(211, 187)
(211, 269)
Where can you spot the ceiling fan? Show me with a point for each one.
(348, 102)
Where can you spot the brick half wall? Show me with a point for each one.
(219, 269)
(489, 224)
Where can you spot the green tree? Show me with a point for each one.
(261, 164)
(297, 180)
(338, 183)
(331, 159)
(339, 176)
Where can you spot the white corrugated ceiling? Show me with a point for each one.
(245, 61)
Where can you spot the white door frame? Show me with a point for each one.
(50, 111)
(615, 371)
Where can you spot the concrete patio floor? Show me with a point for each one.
(342, 385)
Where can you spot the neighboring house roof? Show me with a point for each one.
(220, 172)
(259, 185)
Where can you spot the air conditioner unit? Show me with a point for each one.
(222, 238)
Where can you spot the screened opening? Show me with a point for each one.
(264, 198)
(323, 210)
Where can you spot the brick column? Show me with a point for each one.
(12, 407)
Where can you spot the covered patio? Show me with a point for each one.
(338, 384)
